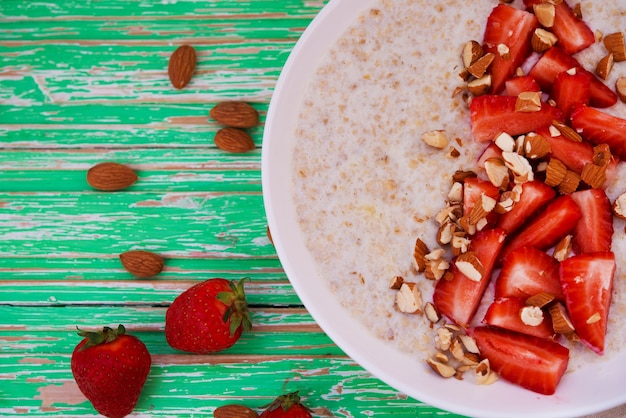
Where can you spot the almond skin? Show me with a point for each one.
(182, 65)
(233, 140)
(141, 263)
(234, 411)
(111, 176)
(235, 114)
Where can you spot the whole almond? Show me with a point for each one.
(111, 176)
(181, 66)
(233, 140)
(234, 411)
(141, 263)
(235, 114)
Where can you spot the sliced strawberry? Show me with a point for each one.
(598, 127)
(533, 363)
(594, 230)
(491, 151)
(573, 154)
(571, 90)
(535, 195)
(491, 115)
(458, 297)
(546, 229)
(516, 85)
(473, 189)
(554, 61)
(587, 281)
(507, 313)
(526, 272)
(573, 33)
(514, 28)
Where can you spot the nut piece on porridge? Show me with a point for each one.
(619, 207)
(483, 373)
(409, 299)
(614, 43)
(396, 282)
(436, 139)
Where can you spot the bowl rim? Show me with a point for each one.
(395, 368)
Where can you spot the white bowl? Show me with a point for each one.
(585, 391)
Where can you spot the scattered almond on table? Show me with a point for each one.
(111, 176)
(235, 114)
(181, 66)
(233, 140)
(234, 411)
(142, 264)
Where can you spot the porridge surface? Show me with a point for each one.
(365, 184)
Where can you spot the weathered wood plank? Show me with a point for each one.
(196, 385)
(142, 9)
(91, 224)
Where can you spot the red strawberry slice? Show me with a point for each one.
(571, 90)
(526, 272)
(458, 297)
(517, 85)
(552, 224)
(491, 115)
(587, 281)
(507, 313)
(573, 154)
(535, 195)
(573, 33)
(491, 151)
(555, 61)
(594, 230)
(533, 363)
(601, 128)
(514, 28)
(473, 189)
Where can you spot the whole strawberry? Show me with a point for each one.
(110, 368)
(207, 317)
(287, 406)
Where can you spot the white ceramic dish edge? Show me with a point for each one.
(410, 375)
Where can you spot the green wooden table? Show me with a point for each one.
(85, 81)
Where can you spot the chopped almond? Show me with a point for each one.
(570, 182)
(479, 67)
(472, 51)
(566, 131)
(409, 299)
(396, 282)
(480, 86)
(619, 207)
(536, 146)
(528, 101)
(594, 175)
(545, 13)
(540, 299)
(431, 313)
(519, 166)
(620, 88)
(531, 316)
(470, 266)
(614, 43)
(419, 254)
(604, 67)
(441, 369)
(497, 172)
(436, 139)
(543, 40)
(555, 172)
(563, 248)
(561, 324)
(504, 51)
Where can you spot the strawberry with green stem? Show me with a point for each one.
(208, 317)
(287, 406)
(110, 368)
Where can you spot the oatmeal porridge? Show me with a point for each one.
(365, 184)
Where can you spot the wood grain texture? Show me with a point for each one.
(83, 82)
